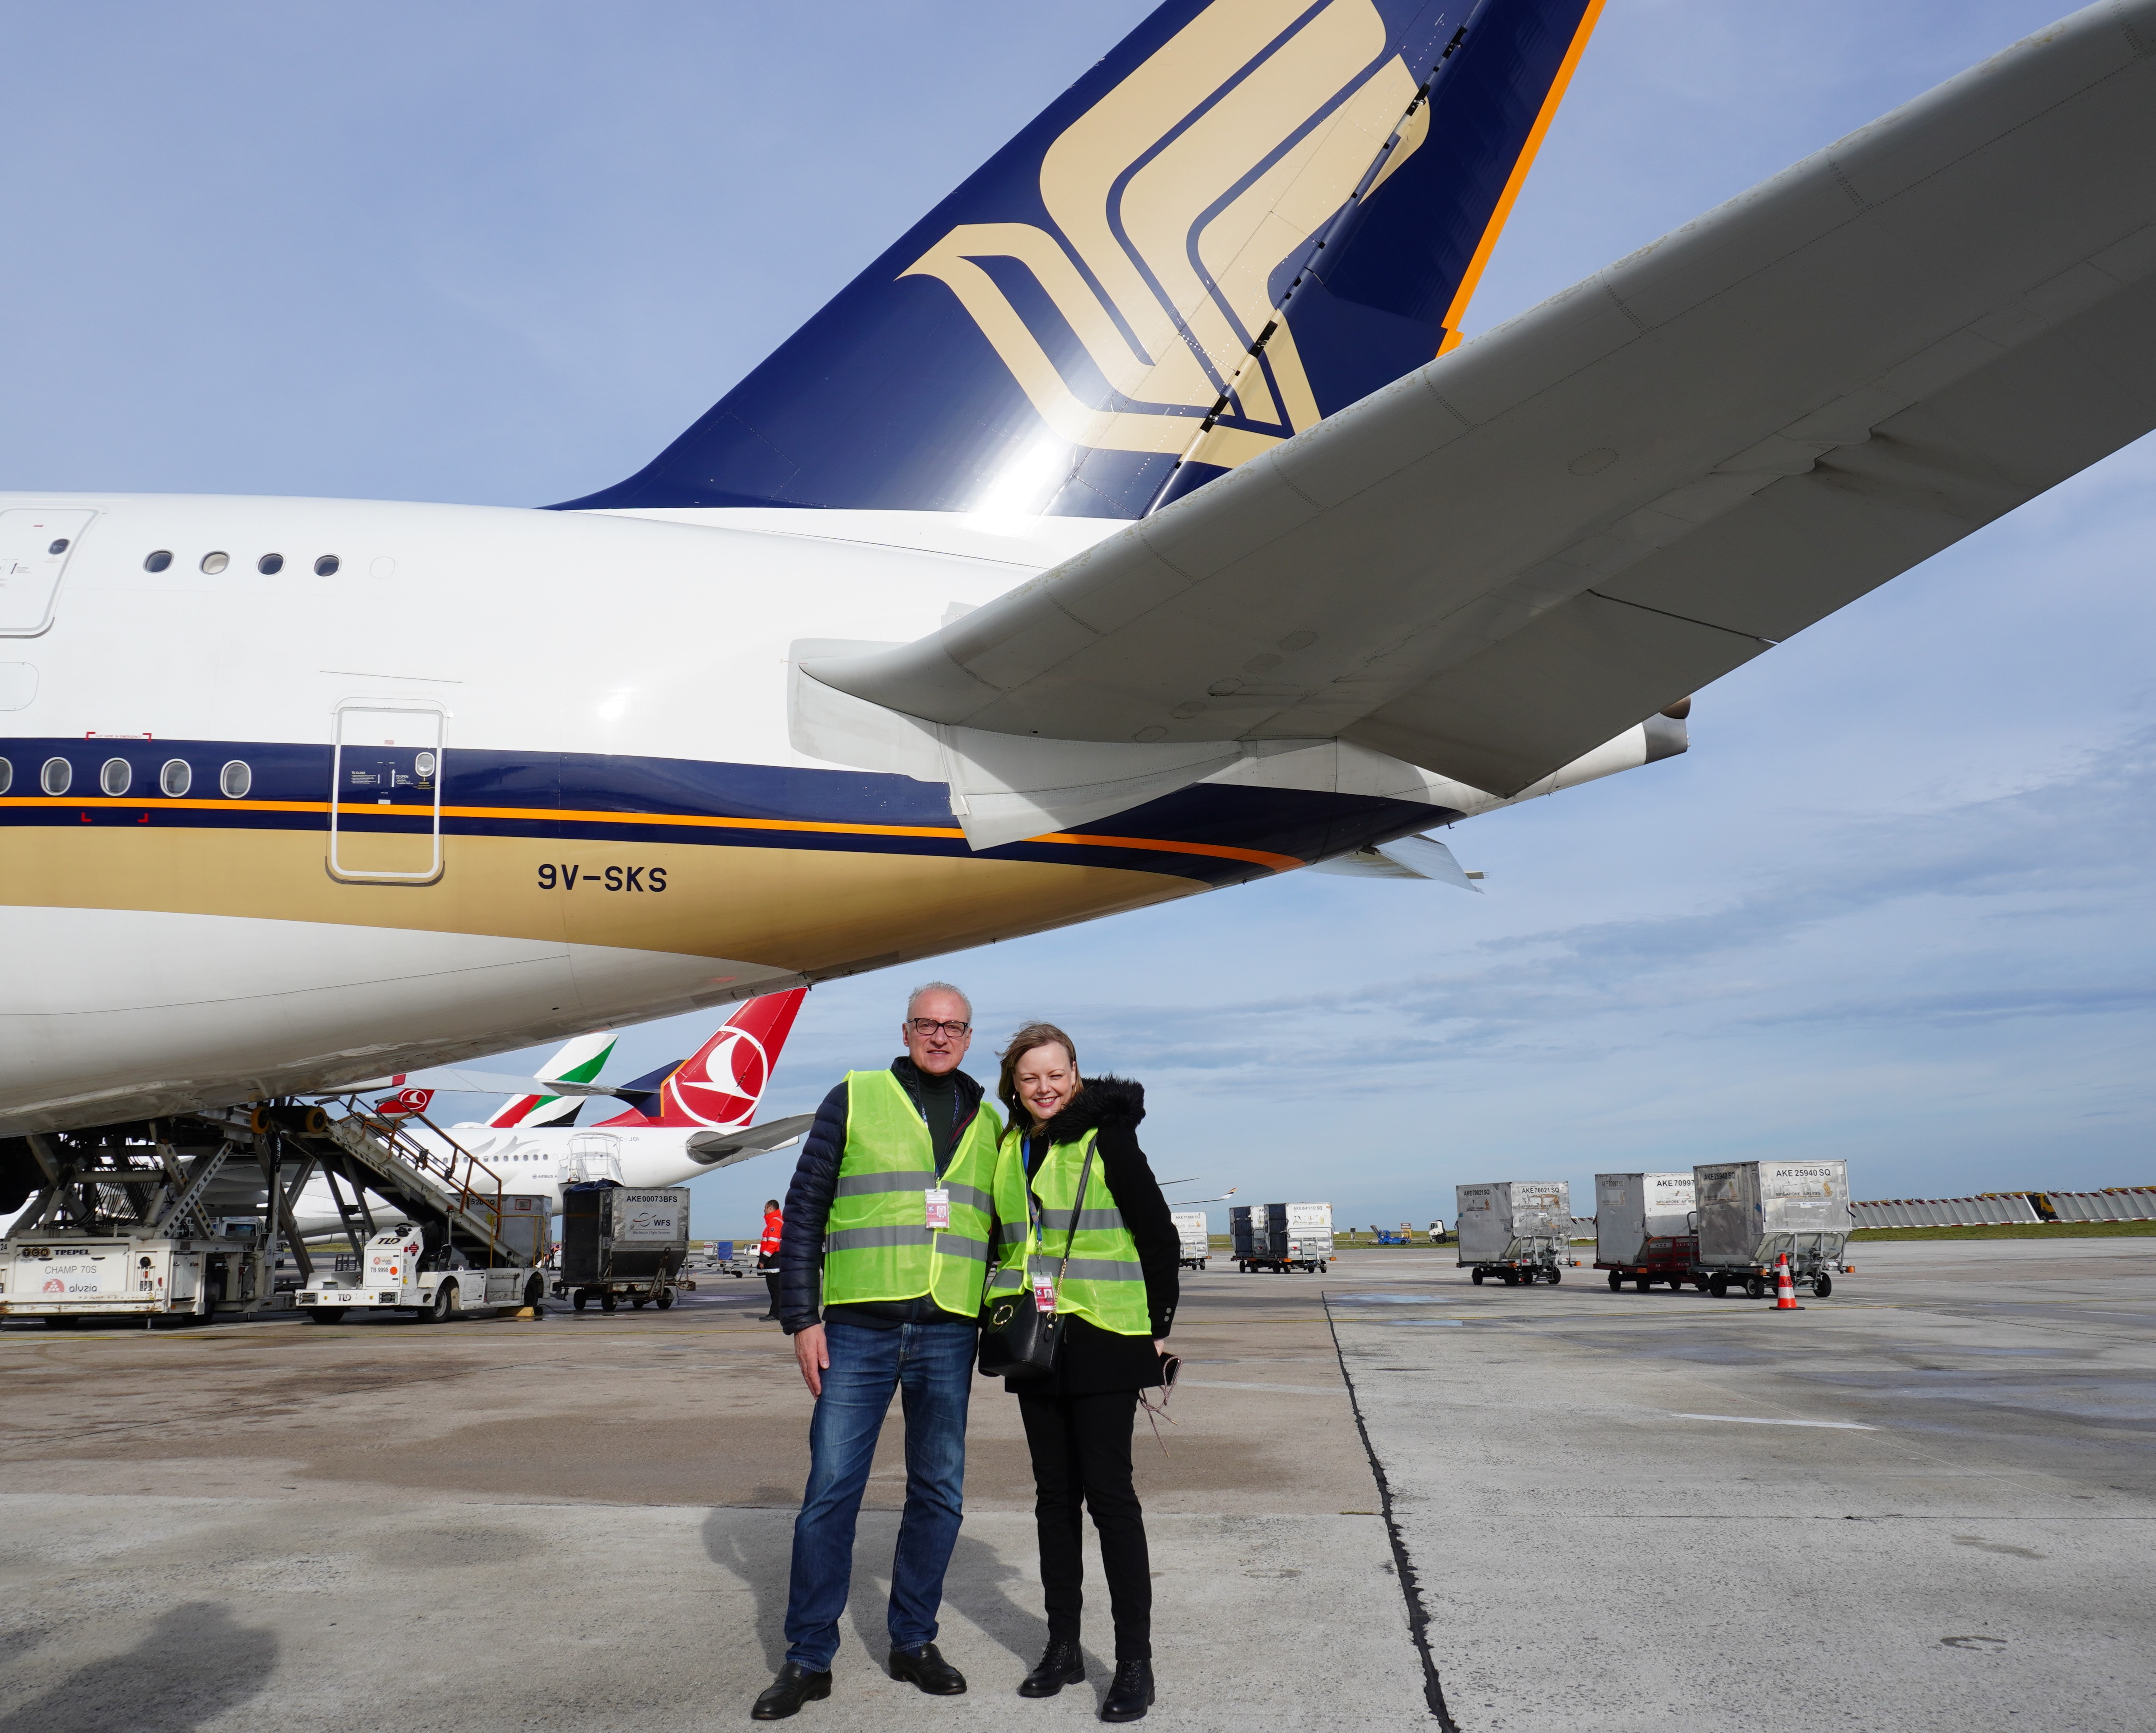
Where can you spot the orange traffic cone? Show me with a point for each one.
(1785, 1292)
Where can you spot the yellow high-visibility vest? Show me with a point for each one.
(1105, 1283)
(877, 1242)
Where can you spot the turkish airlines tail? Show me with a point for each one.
(719, 1085)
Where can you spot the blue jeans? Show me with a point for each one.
(931, 1366)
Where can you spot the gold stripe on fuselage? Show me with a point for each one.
(562, 815)
(798, 910)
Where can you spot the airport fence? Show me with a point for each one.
(2121, 1204)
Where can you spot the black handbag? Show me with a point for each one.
(1017, 1339)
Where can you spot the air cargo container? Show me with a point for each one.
(1643, 1229)
(1519, 1231)
(621, 1244)
(1752, 1213)
(1195, 1232)
(1281, 1236)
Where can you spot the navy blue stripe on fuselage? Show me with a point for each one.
(1215, 833)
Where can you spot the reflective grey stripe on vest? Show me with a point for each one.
(860, 1185)
(1006, 1278)
(862, 1240)
(972, 1196)
(1091, 1269)
(1010, 1233)
(1060, 1223)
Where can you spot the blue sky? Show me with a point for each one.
(1895, 906)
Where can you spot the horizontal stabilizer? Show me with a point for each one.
(1404, 857)
(488, 1083)
(1558, 530)
(722, 1149)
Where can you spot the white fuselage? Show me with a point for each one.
(501, 775)
(539, 1160)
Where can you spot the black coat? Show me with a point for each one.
(1092, 1359)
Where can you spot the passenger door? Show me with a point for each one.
(385, 791)
(34, 545)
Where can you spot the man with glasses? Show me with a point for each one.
(882, 1260)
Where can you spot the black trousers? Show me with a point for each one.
(1082, 1457)
(769, 1265)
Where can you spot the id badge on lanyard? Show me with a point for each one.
(938, 1204)
(1044, 1292)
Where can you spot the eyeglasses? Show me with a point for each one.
(929, 1025)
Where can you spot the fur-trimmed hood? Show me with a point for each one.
(1103, 1101)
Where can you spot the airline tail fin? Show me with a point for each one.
(719, 1085)
(1249, 214)
(579, 1061)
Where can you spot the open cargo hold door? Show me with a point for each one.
(386, 792)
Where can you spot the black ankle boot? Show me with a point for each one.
(1130, 1695)
(1061, 1665)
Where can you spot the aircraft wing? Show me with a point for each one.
(1500, 561)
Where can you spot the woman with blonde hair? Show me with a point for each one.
(1083, 1231)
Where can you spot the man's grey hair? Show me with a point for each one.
(914, 998)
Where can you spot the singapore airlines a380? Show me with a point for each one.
(1137, 524)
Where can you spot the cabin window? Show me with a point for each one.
(115, 776)
(56, 776)
(6, 776)
(158, 560)
(176, 777)
(270, 564)
(234, 780)
(215, 563)
(326, 566)
(59, 547)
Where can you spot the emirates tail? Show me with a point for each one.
(718, 1085)
(579, 1062)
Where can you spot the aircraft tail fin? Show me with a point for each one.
(1248, 215)
(719, 1085)
(579, 1061)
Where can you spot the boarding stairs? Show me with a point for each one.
(446, 1186)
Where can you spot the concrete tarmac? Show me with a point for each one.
(582, 1523)
(1923, 1503)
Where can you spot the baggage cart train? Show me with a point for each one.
(1643, 1229)
(1195, 1232)
(1752, 1213)
(1518, 1231)
(1281, 1236)
(1725, 1225)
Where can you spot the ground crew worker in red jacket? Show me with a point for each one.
(767, 1252)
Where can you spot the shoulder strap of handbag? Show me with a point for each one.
(1085, 1174)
